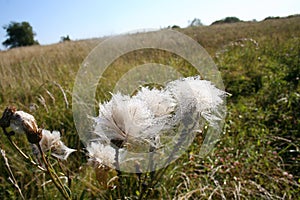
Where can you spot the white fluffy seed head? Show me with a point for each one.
(150, 113)
(51, 142)
(101, 155)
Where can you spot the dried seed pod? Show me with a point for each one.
(6, 116)
(22, 122)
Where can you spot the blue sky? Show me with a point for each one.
(81, 19)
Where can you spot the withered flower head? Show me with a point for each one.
(21, 122)
(6, 116)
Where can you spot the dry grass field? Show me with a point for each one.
(258, 156)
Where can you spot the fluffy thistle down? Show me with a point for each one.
(127, 119)
(101, 155)
(146, 116)
(160, 102)
(51, 142)
(192, 93)
(23, 123)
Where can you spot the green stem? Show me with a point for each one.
(188, 123)
(119, 174)
(53, 175)
(24, 155)
(12, 177)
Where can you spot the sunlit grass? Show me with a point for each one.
(258, 156)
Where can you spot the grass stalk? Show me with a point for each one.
(53, 175)
(24, 155)
(11, 175)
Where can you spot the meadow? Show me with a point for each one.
(257, 157)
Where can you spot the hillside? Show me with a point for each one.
(258, 156)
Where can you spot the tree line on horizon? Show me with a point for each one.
(197, 22)
(21, 33)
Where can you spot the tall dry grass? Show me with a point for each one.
(248, 163)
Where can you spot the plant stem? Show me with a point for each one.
(11, 177)
(189, 124)
(119, 174)
(24, 155)
(53, 175)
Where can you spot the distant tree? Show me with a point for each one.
(292, 16)
(195, 22)
(227, 20)
(172, 27)
(231, 20)
(65, 38)
(271, 17)
(175, 27)
(19, 34)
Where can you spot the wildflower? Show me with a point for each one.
(160, 102)
(194, 93)
(151, 114)
(22, 122)
(51, 142)
(101, 155)
(125, 119)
